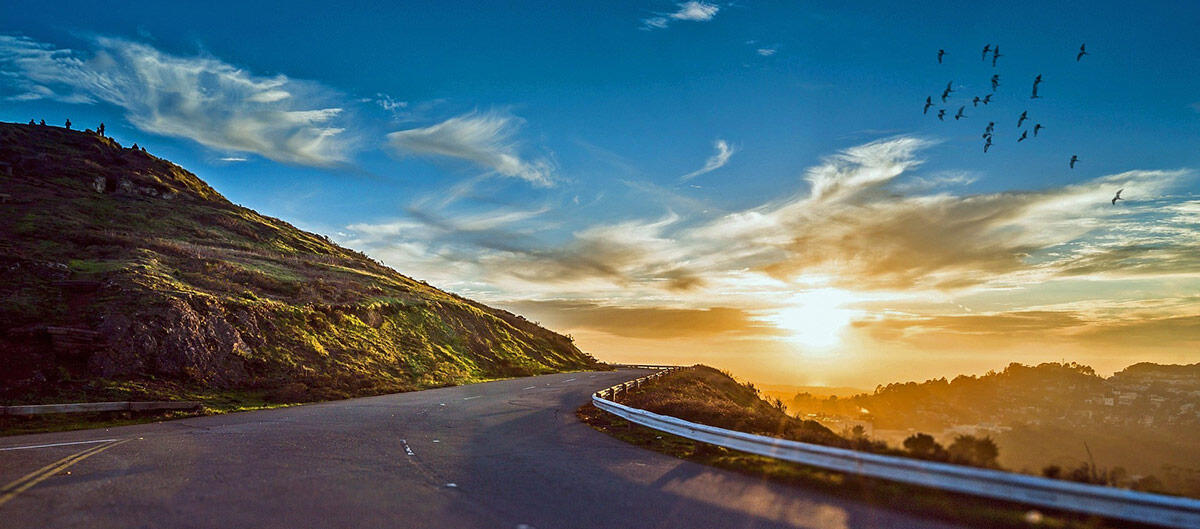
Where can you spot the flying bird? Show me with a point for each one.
(1034, 94)
(946, 92)
(1036, 82)
(987, 145)
(1036, 128)
(940, 54)
(1024, 116)
(942, 114)
(995, 55)
(995, 81)
(975, 102)
(928, 103)
(1082, 52)
(960, 114)
(986, 49)
(1024, 134)
(1118, 196)
(991, 126)
(1073, 160)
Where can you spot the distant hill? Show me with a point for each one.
(126, 276)
(1142, 421)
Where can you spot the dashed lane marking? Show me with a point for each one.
(469, 398)
(568, 380)
(530, 387)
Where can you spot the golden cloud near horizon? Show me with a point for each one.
(861, 270)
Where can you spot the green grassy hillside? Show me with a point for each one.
(125, 276)
(708, 396)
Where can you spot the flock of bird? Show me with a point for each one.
(989, 131)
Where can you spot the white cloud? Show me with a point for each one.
(854, 228)
(199, 98)
(714, 162)
(484, 139)
(696, 11)
(688, 11)
(389, 103)
(767, 52)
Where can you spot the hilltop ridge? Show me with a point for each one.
(127, 276)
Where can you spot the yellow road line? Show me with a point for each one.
(27, 481)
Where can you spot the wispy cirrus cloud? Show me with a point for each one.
(718, 160)
(855, 228)
(911, 246)
(687, 11)
(199, 98)
(482, 138)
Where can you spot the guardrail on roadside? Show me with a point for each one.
(614, 391)
(1144, 507)
(83, 407)
(644, 366)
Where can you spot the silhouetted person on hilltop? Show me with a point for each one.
(135, 147)
(68, 123)
(100, 129)
(42, 123)
(31, 122)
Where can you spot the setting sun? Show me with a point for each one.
(816, 319)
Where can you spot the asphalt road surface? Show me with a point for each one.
(507, 454)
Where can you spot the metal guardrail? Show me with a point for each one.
(83, 407)
(614, 391)
(1143, 507)
(644, 366)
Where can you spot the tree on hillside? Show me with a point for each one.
(971, 450)
(922, 445)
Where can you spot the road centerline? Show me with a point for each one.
(31, 479)
(56, 444)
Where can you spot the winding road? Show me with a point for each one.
(507, 454)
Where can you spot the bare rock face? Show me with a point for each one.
(175, 339)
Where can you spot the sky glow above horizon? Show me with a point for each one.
(753, 186)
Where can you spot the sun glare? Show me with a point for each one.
(816, 319)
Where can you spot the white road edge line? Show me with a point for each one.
(530, 387)
(469, 398)
(56, 444)
(568, 380)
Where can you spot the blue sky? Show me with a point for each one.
(585, 163)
